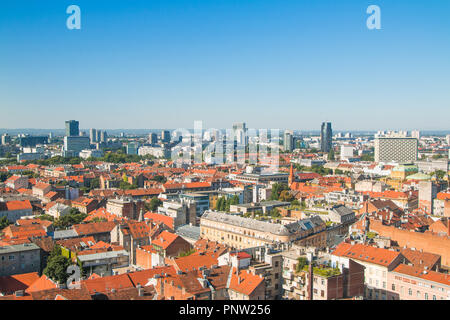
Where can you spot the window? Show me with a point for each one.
(393, 287)
(426, 296)
(410, 292)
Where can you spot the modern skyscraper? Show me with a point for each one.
(72, 128)
(93, 135)
(6, 139)
(165, 136)
(288, 141)
(152, 138)
(401, 150)
(326, 134)
(240, 132)
(103, 136)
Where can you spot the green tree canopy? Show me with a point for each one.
(57, 264)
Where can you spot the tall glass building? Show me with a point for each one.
(72, 128)
(326, 137)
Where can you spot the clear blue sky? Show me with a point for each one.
(271, 63)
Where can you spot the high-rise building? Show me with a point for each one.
(448, 139)
(74, 145)
(165, 136)
(6, 139)
(153, 138)
(415, 134)
(93, 135)
(72, 128)
(103, 136)
(132, 147)
(240, 132)
(288, 141)
(326, 134)
(400, 150)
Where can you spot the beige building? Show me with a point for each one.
(240, 233)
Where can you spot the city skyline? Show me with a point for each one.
(288, 66)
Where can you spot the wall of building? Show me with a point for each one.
(426, 241)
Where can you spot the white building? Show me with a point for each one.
(401, 150)
(91, 153)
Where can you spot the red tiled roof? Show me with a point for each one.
(248, 282)
(43, 283)
(105, 284)
(18, 205)
(366, 253)
(419, 273)
(11, 284)
(156, 217)
(165, 239)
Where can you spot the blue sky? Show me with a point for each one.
(271, 63)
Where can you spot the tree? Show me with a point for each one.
(74, 217)
(57, 265)
(154, 204)
(277, 188)
(440, 174)
(286, 196)
(127, 186)
(160, 179)
(4, 222)
(331, 155)
(367, 157)
(274, 213)
(4, 176)
(46, 217)
(302, 262)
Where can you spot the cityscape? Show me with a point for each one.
(336, 216)
(233, 158)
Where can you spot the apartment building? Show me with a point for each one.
(19, 258)
(377, 263)
(240, 233)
